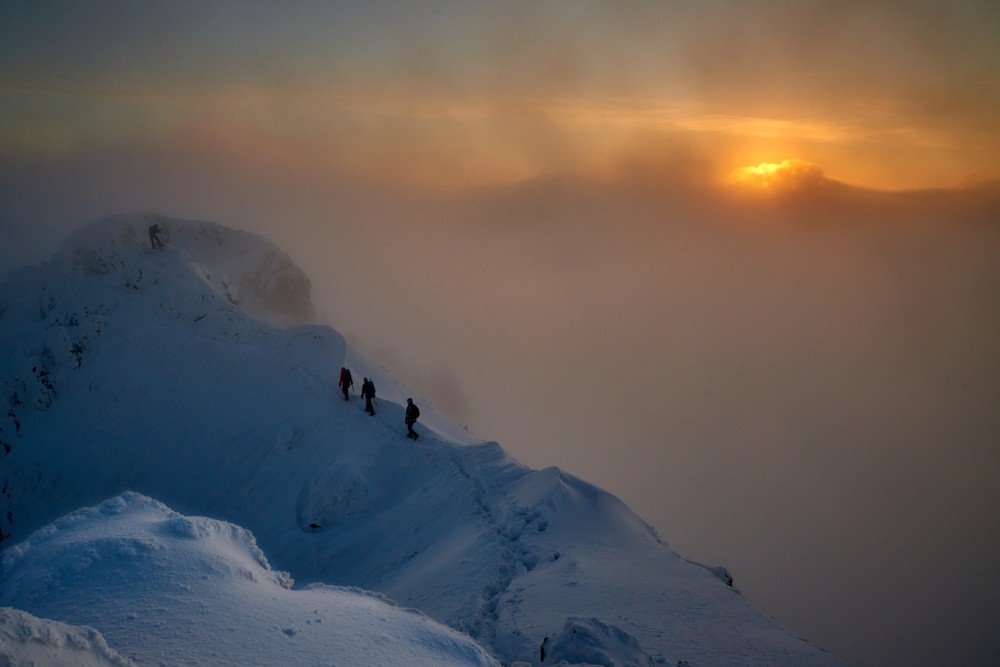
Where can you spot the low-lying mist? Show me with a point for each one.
(802, 388)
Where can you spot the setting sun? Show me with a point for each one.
(784, 175)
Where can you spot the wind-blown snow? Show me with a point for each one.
(148, 371)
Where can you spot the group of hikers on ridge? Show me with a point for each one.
(368, 393)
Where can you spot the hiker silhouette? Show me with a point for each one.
(154, 236)
(412, 413)
(346, 382)
(368, 393)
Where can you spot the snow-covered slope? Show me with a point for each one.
(171, 590)
(158, 372)
(28, 640)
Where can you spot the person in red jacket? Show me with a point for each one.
(346, 381)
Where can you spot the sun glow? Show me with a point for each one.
(773, 176)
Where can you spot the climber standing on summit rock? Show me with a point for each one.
(154, 236)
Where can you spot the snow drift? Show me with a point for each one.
(170, 589)
(166, 373)
(29, 640)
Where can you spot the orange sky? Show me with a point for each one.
(870, 346)
(897, 95)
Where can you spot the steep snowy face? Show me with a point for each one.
(142, 340)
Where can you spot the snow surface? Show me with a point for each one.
(170, 589)
(29, 640)
(165, 373)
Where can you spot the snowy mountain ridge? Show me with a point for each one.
(167, 373)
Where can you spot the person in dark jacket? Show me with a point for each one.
(368, 393)
(346, 381)
(154, 236)
(412, 413)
